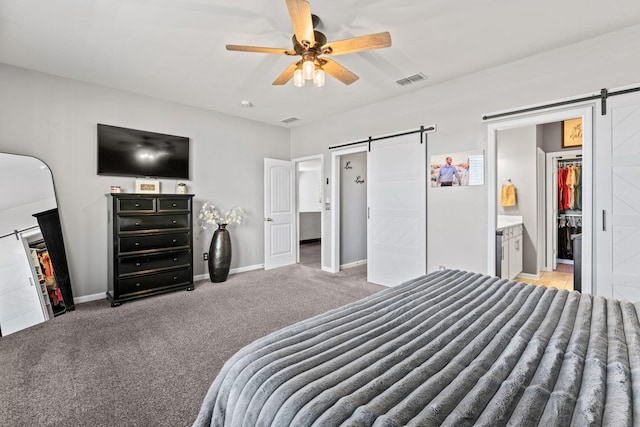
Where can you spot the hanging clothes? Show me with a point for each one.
(45, 260)
(570, 187)
(577, 190)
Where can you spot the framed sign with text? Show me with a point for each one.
(572, 133)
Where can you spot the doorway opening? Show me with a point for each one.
(339, 159)
(309, 211)
(538, 218)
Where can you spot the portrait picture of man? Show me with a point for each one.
(457, 169)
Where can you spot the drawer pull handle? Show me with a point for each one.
(137, 205)
(174, 205)
(137, 264)
(175, 260)
(137, 243)
(175, 241)
(137, 224)
(138, 284)
(175, 277)
(174, 222)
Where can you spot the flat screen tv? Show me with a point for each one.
(130, 152)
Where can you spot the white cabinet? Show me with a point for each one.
(511, 252)
(515, 256)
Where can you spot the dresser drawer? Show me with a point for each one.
(153, 241)
(137, 264)
(154, 281)
(136, 205)
(174, 204)
(155, 222)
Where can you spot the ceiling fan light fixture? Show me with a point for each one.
(308, 68)
(298, 78)
(319, 77)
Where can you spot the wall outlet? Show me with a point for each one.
(205, 256)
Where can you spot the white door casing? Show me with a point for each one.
(279, 213)
(396, 231)
(541, 204)
(552, 115)
(618, 209)
(336, 155)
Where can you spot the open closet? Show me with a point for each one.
(569, 203)
(564, 243)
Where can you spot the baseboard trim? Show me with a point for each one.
(529, 276)
(353, 264)
(232, 271)
(89, 298)
(103, 295)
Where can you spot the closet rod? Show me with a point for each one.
(604, 94)
(15, 232)
(370, 139)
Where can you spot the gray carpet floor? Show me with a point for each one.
(150, 362)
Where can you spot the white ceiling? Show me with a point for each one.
(175, 49)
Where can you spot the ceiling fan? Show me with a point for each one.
(311, 44)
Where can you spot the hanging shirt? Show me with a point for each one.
(560, 187)
(46, 262)
(577, 189)
(446, 174)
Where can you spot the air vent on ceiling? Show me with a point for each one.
(289, 120)
(414, 78)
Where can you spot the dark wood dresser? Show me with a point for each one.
(150, 245)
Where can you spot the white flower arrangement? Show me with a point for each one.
(209, 214)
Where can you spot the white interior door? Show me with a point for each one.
(20, 305)
(396, 232)
(279, 214)
(618, 249)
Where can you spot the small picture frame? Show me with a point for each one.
(572, 133)
(148, 186)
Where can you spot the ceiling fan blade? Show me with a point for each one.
(338, 71)
(300, 13)
(357, 44)
(259, 49)
(286, 75)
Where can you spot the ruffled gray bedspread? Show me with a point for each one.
(451, 348)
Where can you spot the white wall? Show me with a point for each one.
(516, 160)
(55, 120)
(353, 215)
(457, 236)
(309, 191)
(310, 226)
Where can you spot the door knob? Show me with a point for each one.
(268, 219)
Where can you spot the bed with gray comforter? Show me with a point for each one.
(450, 348)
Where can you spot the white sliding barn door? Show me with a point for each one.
(396, 233)
(279, 214)
(20, 305)
(618, 209)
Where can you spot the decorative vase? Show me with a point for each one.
(220, 254)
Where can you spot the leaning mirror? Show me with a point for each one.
(34, 276)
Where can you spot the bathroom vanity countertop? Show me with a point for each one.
(505, 221)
